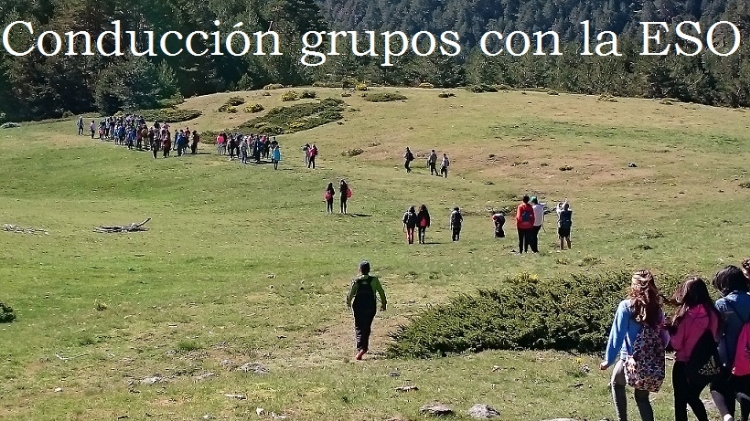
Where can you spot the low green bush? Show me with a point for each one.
(308, 94)
(290, 96)
(446, 95)
(295, 118)
(361, 87)
(273, 86)
(255, 108)
(236, 101)
(481, 88)
(6, 313)
(573, 313)
(383, 97)
(169, 115)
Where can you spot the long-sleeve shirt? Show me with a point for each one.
(690, 329)
(729, 307)
(377, 289)
(539, 214)
(624, 331)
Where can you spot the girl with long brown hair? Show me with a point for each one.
(637, 329)
(694, 337)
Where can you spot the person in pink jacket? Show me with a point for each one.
(694, 317)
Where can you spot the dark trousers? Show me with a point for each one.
(524, 239)
(155, 150)
(456, 233)
(433, 169)
(444, 172)
(329, 205)
(311, 162)
(687, 393)
(194, 148)
(420, 234)
(731, 389)
(343, 203)
(534, 240)
(363, 327)
(406, 165)
(410, 235)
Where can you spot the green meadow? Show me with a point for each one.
(241, 264)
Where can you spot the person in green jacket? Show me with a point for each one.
(363, 302)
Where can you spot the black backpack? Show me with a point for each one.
(704, 364)
(365, 296)
(410, 219)
(456, 219)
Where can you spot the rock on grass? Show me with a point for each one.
(436, 410)
(483, 412)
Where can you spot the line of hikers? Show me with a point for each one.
(711, 341)
(132, 131)
(431, 163)
(242, 147)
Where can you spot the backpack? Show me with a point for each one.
(456, 219)
(409, 156)
(526, 214)
(704, 363)
(410, 219)
(566, 219)
(645, 365)
(365, 297)
(741, 366)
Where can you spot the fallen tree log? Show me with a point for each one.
(123, 228)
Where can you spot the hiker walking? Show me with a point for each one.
(276, 156)
(410, 223)
(344, 194)
(92, 127)
(637, 341)
(153, 142)
(444, 166)
(456, 220)
(328, 196)
(694, 335)
(538, 223)
(363, 303)
(432, 163)
(423, 222)
(564, 223)
(408, 157)
(194, 145)
(306, 152)
(498, 220)
(734, 338)
(313, 154)
(524, 224)
(166, 143)
(80, 126)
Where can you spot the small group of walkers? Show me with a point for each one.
(132, 131)
(242, 147)
(345, 193)
(530, 220)
(431, 163)
(711, 341)
(420, 221)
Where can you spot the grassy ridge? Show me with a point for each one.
(243, 265)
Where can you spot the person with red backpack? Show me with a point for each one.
(524, 224)
(694, 335)
(313, 152)
(734, 344)
(423, 222)
(636, 346)
(328, 195)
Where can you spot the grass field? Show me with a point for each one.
(242, 264)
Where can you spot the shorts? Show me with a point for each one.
(563, 232)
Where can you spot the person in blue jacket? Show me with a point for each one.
(734, 307)
(642, 307)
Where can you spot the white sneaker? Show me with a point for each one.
(728, 418)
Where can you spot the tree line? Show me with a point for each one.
(35, 87)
